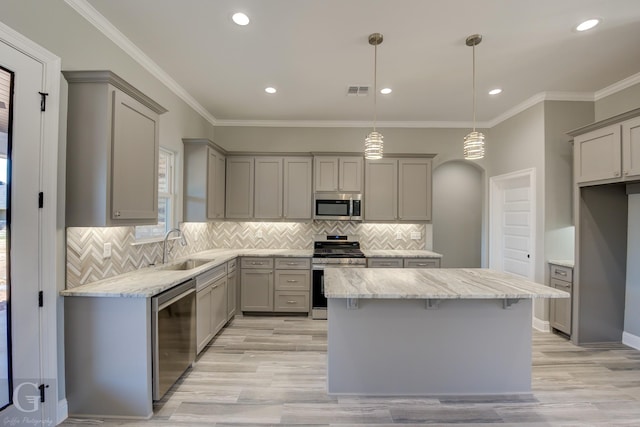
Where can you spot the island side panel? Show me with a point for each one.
(397, 347)
(108, 356)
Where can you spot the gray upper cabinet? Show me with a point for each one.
(343, 174)
(381, 190)
(398, 189)
(204, 181)
(268, 188)
(239, 195)
(297, 188)
(608, 154)
(112, 152)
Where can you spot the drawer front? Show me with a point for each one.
(421, 263)
(561, 285)
(210, 276)
(231, 265)
(385, 263)
(256, 262)
(292, 280)
(294, 301)
(561, 273)
(293, 263)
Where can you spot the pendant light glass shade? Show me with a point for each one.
(373, 145)
(473, 147)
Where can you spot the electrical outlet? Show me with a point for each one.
(398, 235)
(416, 235)
(259, 234)
(106, 250)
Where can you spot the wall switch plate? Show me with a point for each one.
(106, 250)
(259, 234)
(416, 235)
(398, 235)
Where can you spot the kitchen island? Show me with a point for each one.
(429, 331)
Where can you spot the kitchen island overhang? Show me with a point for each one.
(429, 331)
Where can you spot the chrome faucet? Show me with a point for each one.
(165, 252)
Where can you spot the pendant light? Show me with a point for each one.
(373, 142)
(474, 142)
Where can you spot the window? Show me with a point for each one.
(166, 199)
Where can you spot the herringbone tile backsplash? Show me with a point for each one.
(86, 264)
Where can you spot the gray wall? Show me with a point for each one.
(560, 117)
(458, 196)
(632, 297)
(618, 103)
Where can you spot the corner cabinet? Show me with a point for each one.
(608, 154)
(338, 173)
(204, 181)
(398, 189)
(112, 152)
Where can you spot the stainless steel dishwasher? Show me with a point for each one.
(173, 335)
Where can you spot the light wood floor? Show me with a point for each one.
(271, 371)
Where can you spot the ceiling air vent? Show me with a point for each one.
(358, 91)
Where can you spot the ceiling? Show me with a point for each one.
(312, 50)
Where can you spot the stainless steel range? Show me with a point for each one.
(331, 251)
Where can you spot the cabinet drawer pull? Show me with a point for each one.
(385, 263)
(292, 263)
(292, 281)
(561, 273)
(422, 264)
(291, 302)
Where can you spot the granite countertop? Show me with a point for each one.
(432, 283)
(150, 281)
(562, 262)
(400, 253)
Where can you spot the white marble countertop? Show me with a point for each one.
(147, 282)
(400, 253)
(431, 283)
(562, 262)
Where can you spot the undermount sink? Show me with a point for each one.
(186, 265)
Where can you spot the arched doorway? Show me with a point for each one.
(457, 214)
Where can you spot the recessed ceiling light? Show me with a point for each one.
(270, 89)
(386, 91)
(240, 18)
(495, 91)
(587, 25)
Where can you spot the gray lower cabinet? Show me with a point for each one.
(256, 284)
(561, 277)
(275, 285)
(403, 262)
(232, 289)
(211, 304)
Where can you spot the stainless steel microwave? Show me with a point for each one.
(338, 206)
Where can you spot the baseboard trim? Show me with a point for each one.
(541, 325)
(631, 340)
(63, 411)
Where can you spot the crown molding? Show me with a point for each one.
(95, 18)
(617, 86)
(345, 124)
(541, 97)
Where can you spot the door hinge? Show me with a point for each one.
(43, 101)
(40, 299)
(41, 200)
(42, 387)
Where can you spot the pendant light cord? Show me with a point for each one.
(474, 86)
(375, 85)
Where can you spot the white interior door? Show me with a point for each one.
(20, 363)
(512, 219)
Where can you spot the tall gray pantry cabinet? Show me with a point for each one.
(112, 152)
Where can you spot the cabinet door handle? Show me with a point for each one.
(116, 214)
(616, 173)
(292, 281)
(625, 173)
